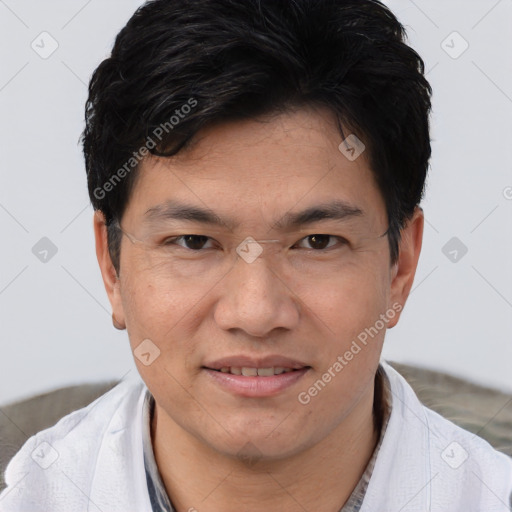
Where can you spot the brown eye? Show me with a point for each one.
(192, 242)
(320, 242)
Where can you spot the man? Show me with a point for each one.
(256, 169)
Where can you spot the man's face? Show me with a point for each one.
(303, 299)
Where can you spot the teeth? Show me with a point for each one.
(254, 372)
(266, 372)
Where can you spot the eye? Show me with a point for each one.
(320, 242)
(192, 242)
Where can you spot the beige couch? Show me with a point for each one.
(483, 411)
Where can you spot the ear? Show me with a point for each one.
(108, 271)
(403, 271)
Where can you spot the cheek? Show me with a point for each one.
(349, 308)
(154, 304)
(349, 300)
(162, 313)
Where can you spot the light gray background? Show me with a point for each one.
(55, 317)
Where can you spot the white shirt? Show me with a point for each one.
(92, 460)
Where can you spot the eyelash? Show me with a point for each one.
(171, 241)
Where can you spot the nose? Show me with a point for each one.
(257, 299)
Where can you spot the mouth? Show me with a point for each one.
(248, 371)
(268, 377)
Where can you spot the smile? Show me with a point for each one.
(247, 381)
(247, 371)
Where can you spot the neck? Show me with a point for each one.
(321, 478)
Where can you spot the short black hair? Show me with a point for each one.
(180, 65)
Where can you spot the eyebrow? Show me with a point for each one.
(175, 210)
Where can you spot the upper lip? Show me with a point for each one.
(240, 361)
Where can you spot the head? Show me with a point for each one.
(233, 114)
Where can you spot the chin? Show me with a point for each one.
(257, 445)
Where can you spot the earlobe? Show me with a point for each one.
(404, 270)
(108, 271)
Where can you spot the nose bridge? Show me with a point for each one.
(250, 249)
(256, 279)
(255, 299)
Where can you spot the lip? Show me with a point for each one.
(255, 362)
(256, 386)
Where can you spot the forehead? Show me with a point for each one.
(283, 169)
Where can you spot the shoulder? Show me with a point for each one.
(464, 450)
(69, 448)
(456, 466)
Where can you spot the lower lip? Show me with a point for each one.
(256, 386)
